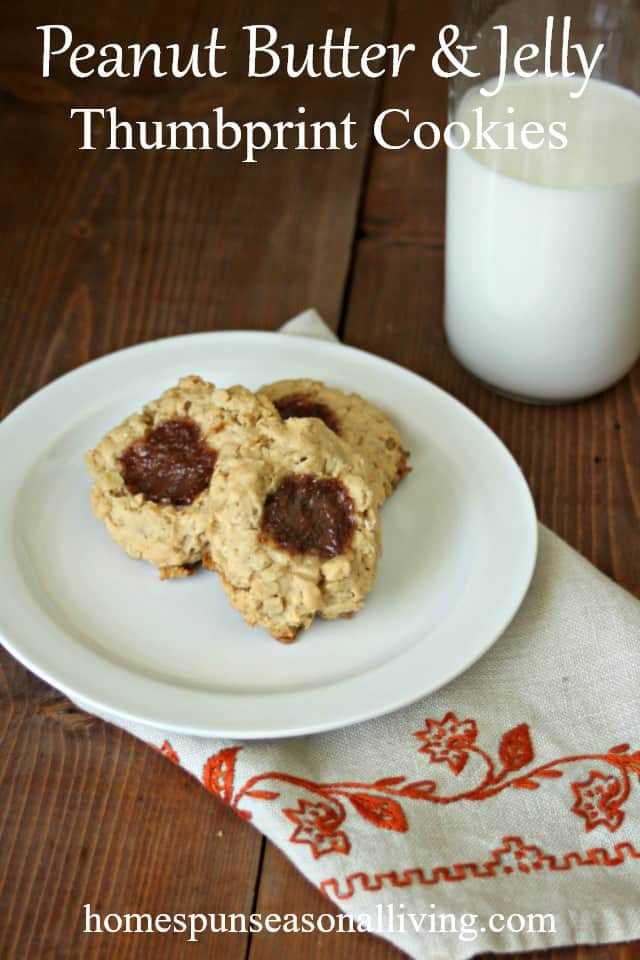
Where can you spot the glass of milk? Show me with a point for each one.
(542, 289)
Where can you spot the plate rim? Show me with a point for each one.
(107, 709)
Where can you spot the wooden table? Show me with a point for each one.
(104, 249)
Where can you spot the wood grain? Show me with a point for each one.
(105, 249)
(101, 250)
(283, 890)
(92, 816)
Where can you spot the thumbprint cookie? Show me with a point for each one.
(152, 473)
(294, 530)
(363, 427)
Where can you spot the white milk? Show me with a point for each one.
(543, 246)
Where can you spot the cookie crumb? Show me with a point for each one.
(174, 573)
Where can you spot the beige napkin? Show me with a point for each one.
(509, 799)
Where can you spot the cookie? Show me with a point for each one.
(295, 529)
(152, 473)
(363, 426)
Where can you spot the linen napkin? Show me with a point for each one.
(501, 813)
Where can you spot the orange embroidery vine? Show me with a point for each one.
(598, 799)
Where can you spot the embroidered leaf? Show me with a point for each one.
(217, 773)
(516, 749)
(388, 781)
(525, 784)
(262, 794)
(621, 748)
(619, 760)
(419, 790)
(381, 811)
(633, 763)
(549, 773)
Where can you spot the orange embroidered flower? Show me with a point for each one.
(598, 801)
(448, 740)
(218, 773)
(316, 824)
(319, 823)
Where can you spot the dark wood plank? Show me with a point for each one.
(104, 249)
(100, 250)
(92, 816)
(582, 461)
(283, 890)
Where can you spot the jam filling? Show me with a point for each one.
(306, 514)
(299, 405)
(172, 464)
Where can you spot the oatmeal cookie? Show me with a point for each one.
(363, 426)
(295, 528)
(152, 473)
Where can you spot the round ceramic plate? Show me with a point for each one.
(459, 547)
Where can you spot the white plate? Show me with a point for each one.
(459, 537)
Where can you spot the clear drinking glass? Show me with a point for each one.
(542, 296)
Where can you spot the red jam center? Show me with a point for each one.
(306, 514)
(172, 464)
(299, 405)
